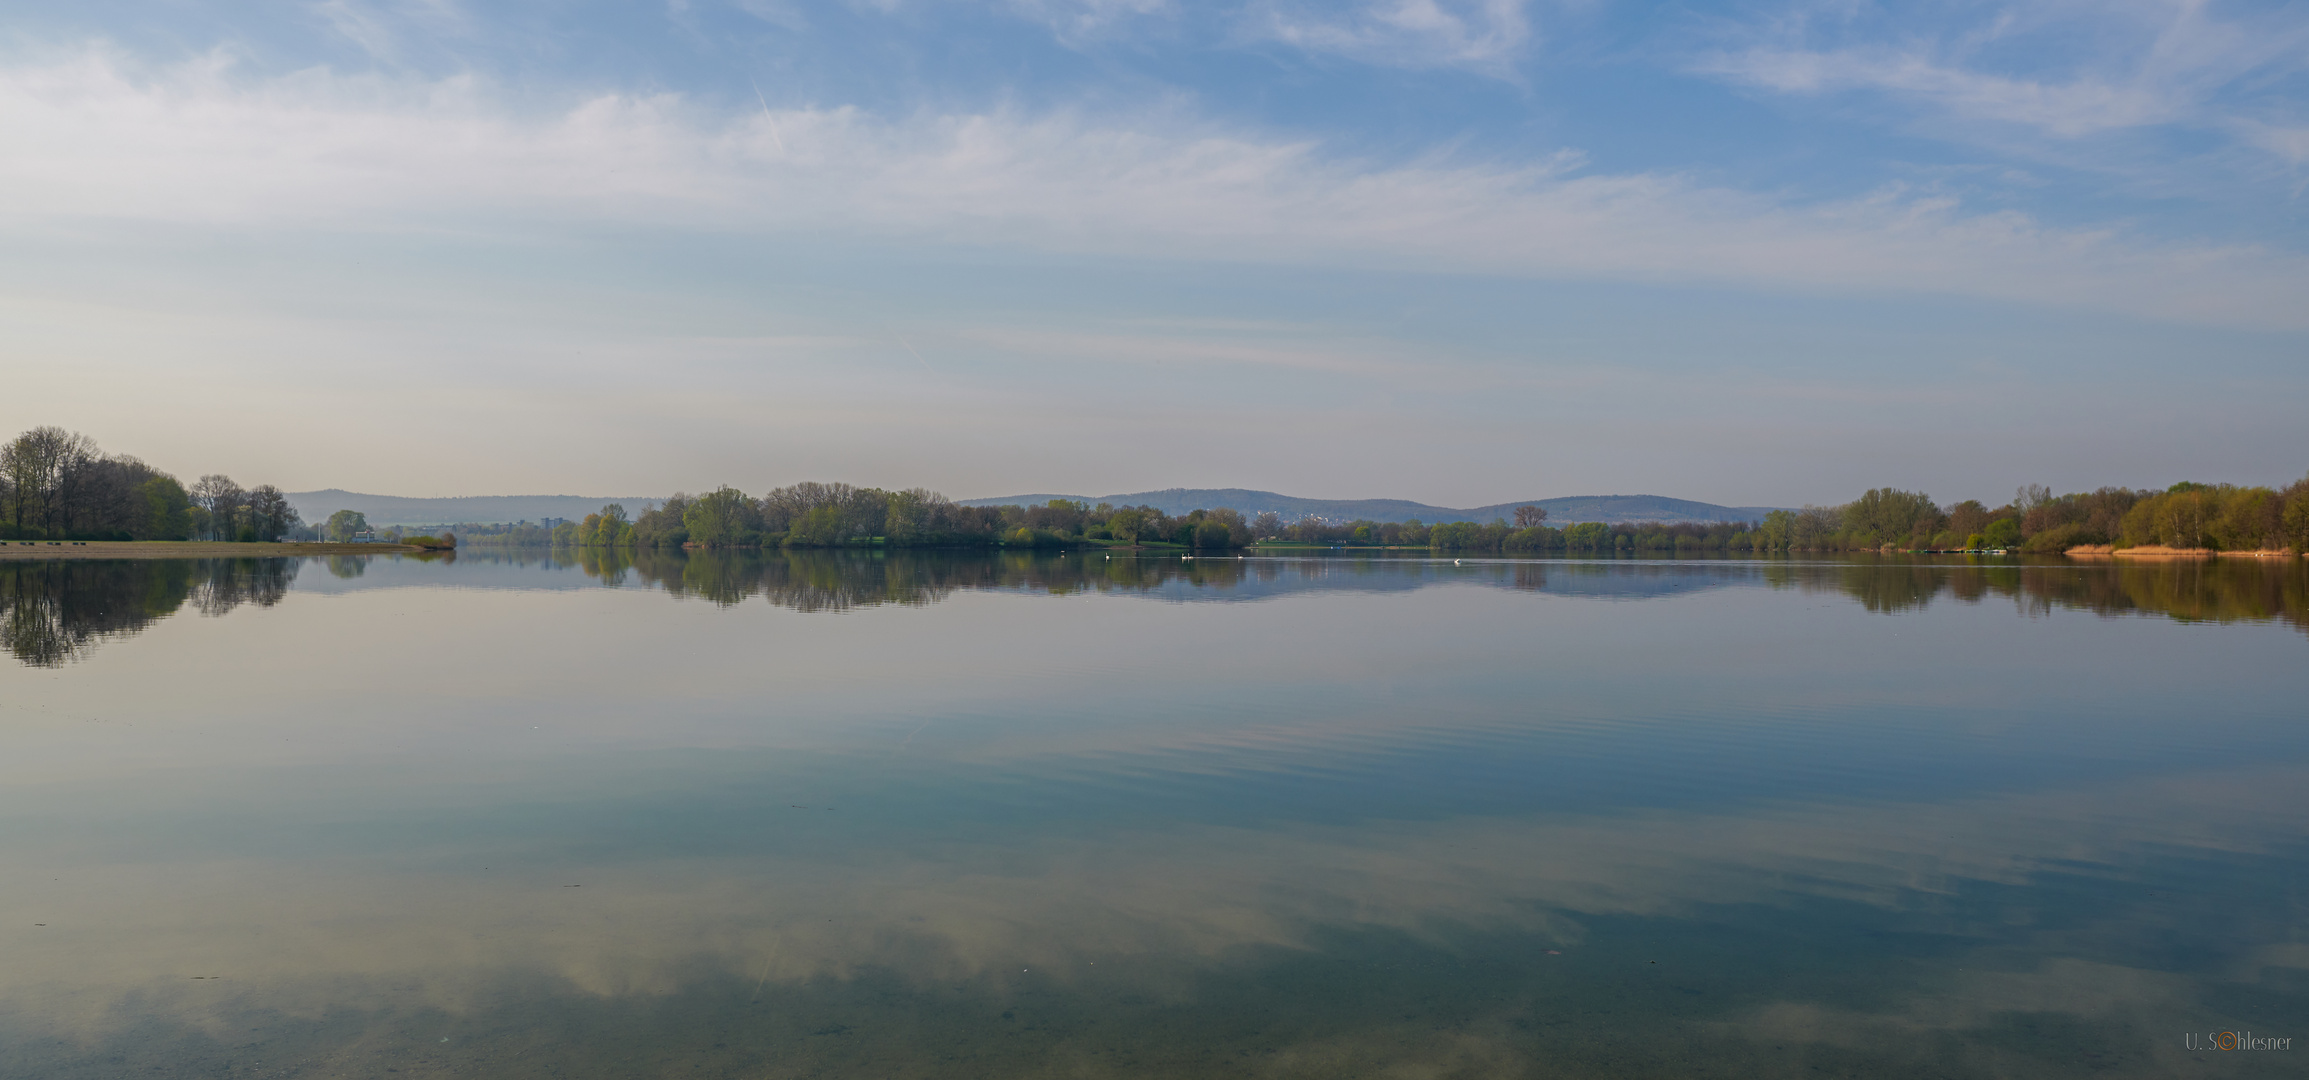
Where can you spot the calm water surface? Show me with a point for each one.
(815, 816)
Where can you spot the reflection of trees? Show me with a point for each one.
(557, 558)
(1894, 587)
(2218, 590)
(835, 580)
(220, 585)
(55, 612)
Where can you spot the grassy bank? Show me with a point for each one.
(185, 549)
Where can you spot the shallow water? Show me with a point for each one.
(937, 816)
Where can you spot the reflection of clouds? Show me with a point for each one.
(2135, 1000)
(308, 936)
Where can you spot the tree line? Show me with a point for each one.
(2188, 515)
(2218, 517)
(57, 485)
(2223, 517)
(823, 515)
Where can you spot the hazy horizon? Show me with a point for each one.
(1441, 250)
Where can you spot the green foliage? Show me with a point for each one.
(58, 485)
(2052, 541)
(2221, 517)
(344, 525)
(723, 517)
(2293, 517)
(1587, 536)
(165, 510)
(818, 527)
(2002, 533)
(1891, 516)
(1776, 532)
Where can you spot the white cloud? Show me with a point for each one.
(2065, 69)
(1483, 35)
(2288, 142)
(1077, 20)
(2073, 108)
(93, 137)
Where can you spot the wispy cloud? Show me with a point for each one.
(1482, 35)
(1076, 21)
(2076, 107)
(2288, 142)
(96, 137)
(2064, 69)
(380, 27)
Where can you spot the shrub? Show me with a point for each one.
(2060, 538)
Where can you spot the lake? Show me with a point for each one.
(825, 815)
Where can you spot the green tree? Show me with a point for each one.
(723, 517)
(821, 527)
(1891, 516)
(164, 510)
(270, 516)
(1587, 536)
(2294, 517)
(611, 528)
(345, 524)
(1127, 524)
(1777, 531)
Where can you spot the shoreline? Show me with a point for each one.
(190, 549)
(2160, 551)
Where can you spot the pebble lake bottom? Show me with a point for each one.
(826, 815)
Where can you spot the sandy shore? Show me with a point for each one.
(184, 549)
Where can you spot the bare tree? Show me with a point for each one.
(224, 501)
(269, 512)
(44, 465)
(1530, 517)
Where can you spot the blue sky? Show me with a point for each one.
(1461, 252)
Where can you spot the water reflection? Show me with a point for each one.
(1403, 817)
(54, 612)
(2216, 589)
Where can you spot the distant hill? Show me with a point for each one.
(1610, 509)
(316, 506)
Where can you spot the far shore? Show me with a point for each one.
(187, 549)
(2160, 551)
